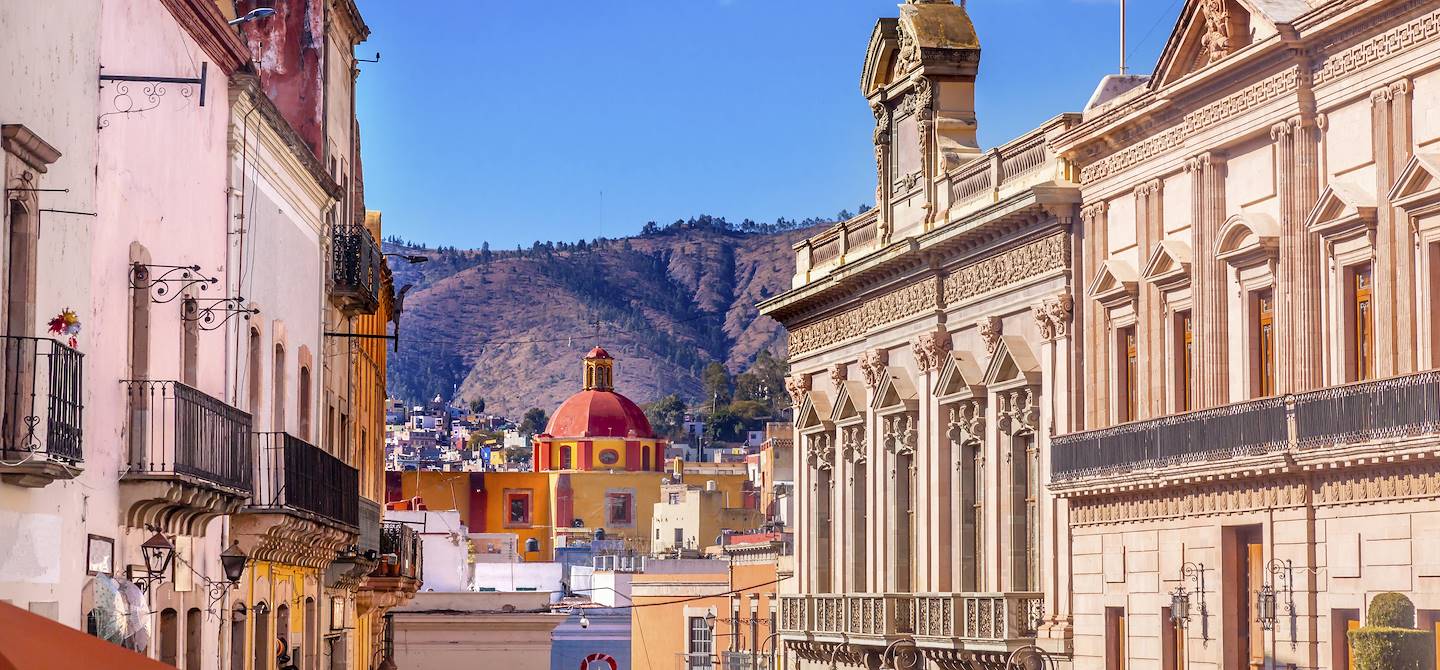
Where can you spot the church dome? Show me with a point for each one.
(598, 411)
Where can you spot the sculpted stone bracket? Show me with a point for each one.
(291, 540)
(966, 424)
(1017, 412)
(821, 453)
(899, 434)
(852, 442)
(175, 505)
(1052, 316)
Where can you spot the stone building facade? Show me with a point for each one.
(931, 356)
(1261, 263)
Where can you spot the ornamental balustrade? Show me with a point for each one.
(1394, 408)
(1001, 616)
(978, 617)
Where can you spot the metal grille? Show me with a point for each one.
(294, 474)
(1389, 408)
(176, 429)
(41, 408)
(356, 267)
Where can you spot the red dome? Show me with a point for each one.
(599, 414)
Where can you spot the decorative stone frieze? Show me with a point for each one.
(888, 308)
(1378, 48)
(1007, 268)
(1229, 107)
(1226, 497)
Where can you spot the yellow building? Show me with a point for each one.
(598, 465)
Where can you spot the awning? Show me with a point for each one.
(32, 642)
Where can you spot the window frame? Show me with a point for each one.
(511, 496)
(614, 496)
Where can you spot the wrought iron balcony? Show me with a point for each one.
(296, 476)
(356, 267)
(176, 430)
(400, 552)
(41, 410)
(979, 617)
(1393, 408)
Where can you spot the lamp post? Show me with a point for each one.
(410, 258)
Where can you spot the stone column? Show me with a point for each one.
(1207, 212)
(1406, 344)
(933, 453)
(1306, 319)
(1150, 321)
(1292, 224)
(1093, 222)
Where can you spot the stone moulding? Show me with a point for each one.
(971, 281)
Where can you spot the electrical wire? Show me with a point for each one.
(704, 597)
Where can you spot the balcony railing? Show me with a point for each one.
(1355, 413)
(867, 614)
(794, 613)
(41, 405)
(293, 474)
(686, 661)
(828, 613)
(1241, 429)
(1001, 616)
(177, 430)
(400, 554)
(355, 269)
(980, 617)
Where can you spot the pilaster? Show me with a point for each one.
(1093, 224)
(1307, 354)
(1207, 179)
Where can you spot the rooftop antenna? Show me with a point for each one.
(1122, 38)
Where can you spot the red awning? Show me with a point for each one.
(32, 642)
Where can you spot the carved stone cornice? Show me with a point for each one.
(1007, 268)
(288, 539)
(1410, 34)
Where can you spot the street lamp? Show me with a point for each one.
(232, 562)
(411, 259)
(158, 552)
(255, 14)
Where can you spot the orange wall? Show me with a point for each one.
(658, 626)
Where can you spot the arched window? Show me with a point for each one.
(169, 636)
(256, 351)
(277, 408)
(312, 634)
(565, 458)
(282, 636)
(193, 645)
(304, 400)
(237, 637)
(20, 257)
(261, 645)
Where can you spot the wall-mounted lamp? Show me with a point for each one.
(1180, 598)
(254, 15)
(410, 258)
(232, 562)
(1281, 584)
(158, 552)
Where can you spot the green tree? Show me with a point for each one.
(726, 426)
(667, 416)
(533, 422)
(764, 382)
(717, 384)
(477, 406)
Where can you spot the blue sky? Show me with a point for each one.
(505, 121)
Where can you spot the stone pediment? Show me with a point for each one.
(960, 375)
(1013, 363)
(1209, 30)
(1169, 265)
(813, 412)
(1115, 283)
(895, 391)
(1247, 238)
(880, 56)
(1419, 182)
(1344, 206)
(849, 402)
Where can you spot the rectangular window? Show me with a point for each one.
(517, 508)
(1115, 638)
(619, 508)
(1128, 406)
(699, 643)
(674, 498)
(1184, 362)
(1362, 319)
(1264, 343)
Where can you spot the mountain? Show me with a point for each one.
(511, 326)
